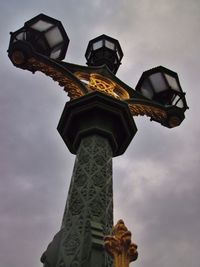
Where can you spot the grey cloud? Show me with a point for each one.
(156, 181)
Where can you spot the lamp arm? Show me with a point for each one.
(72, 85)
(168, 116)
(149, 108)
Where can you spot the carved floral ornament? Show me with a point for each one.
(119, 245)
(85, 82)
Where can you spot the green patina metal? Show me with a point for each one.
(88, 215)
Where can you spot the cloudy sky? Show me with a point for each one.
(156, 181)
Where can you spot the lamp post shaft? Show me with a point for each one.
(89, 211)
(96, 128)
(88, 214)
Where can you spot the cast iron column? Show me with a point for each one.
(96, 127)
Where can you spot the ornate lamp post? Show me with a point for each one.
(96, 125)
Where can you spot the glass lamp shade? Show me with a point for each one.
(162, 85)
(104, 50)
(44, 35)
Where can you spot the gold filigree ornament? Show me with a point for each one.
(93, 82)
(97, 82)
(72, 88)
(119, 245)
(148, 110)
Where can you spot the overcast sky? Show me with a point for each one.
(156, 181)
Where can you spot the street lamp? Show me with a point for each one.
(96, 125)
(42, 34)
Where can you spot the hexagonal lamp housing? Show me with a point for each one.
(162, 85)
(104, 50)
(43, 34)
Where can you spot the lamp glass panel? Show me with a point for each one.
(98, 45)
(41, 25)
(109, 45)
(158, 82)
(54, 36)
(172, 82)
(89, 54)
(146, 90)
(55, 54)
(118, 55)
(178, 102)
(21, 36)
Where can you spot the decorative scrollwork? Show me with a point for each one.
(99, 159)
(148, 110)
(70, 86)
(81, 179)
(119, 246)
(96, 208)
(95, 81)
(98, 179)
(71, 244)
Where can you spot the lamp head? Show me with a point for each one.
(104, 50)
(162, 85)
(42, 34)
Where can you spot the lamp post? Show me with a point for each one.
(96, 125)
